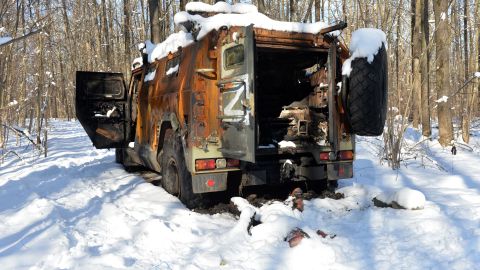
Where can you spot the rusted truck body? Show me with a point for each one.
(261, 105)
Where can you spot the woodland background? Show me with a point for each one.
(433, 56)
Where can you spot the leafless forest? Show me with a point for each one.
(433, 55)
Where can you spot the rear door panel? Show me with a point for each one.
(238, 99)
(101, 106)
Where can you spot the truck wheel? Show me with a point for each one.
(119, 155)
(176, 179)
(367, 95)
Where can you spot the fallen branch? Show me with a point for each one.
(22, 133)
(12, 152)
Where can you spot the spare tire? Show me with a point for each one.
(366, 101)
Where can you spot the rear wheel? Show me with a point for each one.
(176, 179)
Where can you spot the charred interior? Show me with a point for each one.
(291, 87)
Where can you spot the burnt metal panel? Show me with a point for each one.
(238, 122)
(100, 105)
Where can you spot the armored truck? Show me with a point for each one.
(239, 104)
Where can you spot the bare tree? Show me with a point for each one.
(442, 41)
(155, 27)
(424, 70)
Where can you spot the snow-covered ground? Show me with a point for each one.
(77, 209)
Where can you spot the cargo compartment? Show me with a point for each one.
(291, 91)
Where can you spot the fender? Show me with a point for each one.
(170, 121)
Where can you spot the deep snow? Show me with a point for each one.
(77, 209)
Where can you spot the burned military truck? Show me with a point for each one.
(263, 106)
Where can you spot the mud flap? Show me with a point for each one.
(337, 171)
(209, 182)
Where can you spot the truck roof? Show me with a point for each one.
(203, 18)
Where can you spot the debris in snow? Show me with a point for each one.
(442, 99)
(404, 198)
(295, 236)
(477, 74)
(454, 150)
(236, 15)
(324, 234)
(297, 195)
(365, 43)
(221, 7)
(286, 144)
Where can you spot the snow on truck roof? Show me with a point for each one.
(221, 7)
(229, 15)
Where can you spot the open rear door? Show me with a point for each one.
(237, 87)
(100, 105)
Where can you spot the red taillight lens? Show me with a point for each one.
(345, 155)
(204, 164)
(324, 155)
(231, 163)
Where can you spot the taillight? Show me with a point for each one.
(233, 163)
(219, 163)
(324, 155)
(210, 183)
(204, 164)
(342, 155)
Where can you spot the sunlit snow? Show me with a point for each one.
(78, 209)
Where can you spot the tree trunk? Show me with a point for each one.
(155, 27)
(416, 51)
(424, 69)
(442, 48)
(126, 33)
(292, 10)
(106, 35)
(317, 10)
(182, 5)
(465, 119)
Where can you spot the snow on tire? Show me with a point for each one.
(367, 95)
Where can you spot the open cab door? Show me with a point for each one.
(237, 88)
(100, 105)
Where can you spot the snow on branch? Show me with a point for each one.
(4, 41)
